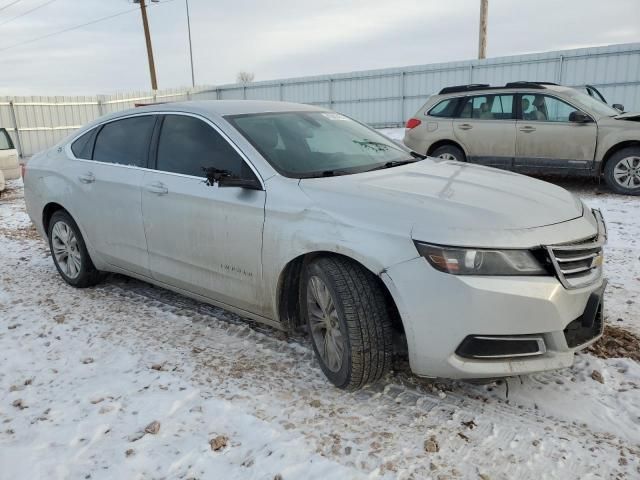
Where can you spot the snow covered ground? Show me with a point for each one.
(84, 372)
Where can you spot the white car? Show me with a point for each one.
(9, 166)
(302, 218)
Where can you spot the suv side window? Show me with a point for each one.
(83, 146)
(5, 140)
(488, 107)
(543, 108)
(187, 145)
(445, 108)
(125, 141)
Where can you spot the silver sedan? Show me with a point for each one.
(305, 219)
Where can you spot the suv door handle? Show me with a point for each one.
(465, 126)
(528, 129)
(158, 188)
(87, 178)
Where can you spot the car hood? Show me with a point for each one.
(633, 116)
(435, 198)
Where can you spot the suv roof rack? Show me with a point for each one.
(486, 86)
(523, 83)
(464, 88)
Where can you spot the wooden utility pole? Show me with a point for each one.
(147, 36)
(482, 40)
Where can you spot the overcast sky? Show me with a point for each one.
(280, 38)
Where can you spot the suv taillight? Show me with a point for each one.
(412, 123)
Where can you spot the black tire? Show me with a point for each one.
(449, 152)
(86, 275)
(629, 154)
(362, 317)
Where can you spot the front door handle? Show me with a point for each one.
(528, 129)
(465, 126)
(158, 188)
(87, 178)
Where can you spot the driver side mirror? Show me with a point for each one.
(248, 183)
(224, 178)
(579, 117)
(618, 106)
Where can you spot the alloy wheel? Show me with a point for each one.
(65, 249)
(324, 323)
(447, 156)
(627, 172)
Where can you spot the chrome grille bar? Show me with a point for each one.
(580, 264)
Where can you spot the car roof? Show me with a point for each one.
(226, 107)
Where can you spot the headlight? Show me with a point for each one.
(475, 261)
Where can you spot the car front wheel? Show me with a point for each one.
(348, 321)
(622, 171)
(69, 252)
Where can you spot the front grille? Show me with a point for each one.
(580, 264)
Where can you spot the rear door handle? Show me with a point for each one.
(527, 129)
(87, 178)
(465, 126)
(158, 188)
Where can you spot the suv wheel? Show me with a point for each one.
(69, 252)
(622, 171)
(348, 322)
(449, 152)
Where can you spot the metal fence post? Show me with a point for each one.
(330, 93)
(402, 95)
(100, 106)
(560, 65)
(244, 92)
(281, 91)
(14, 120)
(470, 73)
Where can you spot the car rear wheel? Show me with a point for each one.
(449, 152)
(69, 252)
(622, 171)
(348, 321)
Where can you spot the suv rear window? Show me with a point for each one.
(445, 108)
(5, 140)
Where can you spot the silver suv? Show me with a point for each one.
(530, 127)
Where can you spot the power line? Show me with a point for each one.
(9, 4)
(75, 27)
(27, 12)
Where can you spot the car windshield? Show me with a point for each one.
(593, 105)
(314, 144)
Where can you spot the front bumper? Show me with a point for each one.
(439, 311)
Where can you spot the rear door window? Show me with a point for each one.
(488, 107)
(445, 108)
(188, 145)
(125, 142)
(5, 140)
(83, 146)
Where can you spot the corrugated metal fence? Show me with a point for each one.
(381, 98)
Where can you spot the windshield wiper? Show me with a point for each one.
(391, 164)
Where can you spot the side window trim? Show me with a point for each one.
(156, 141)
